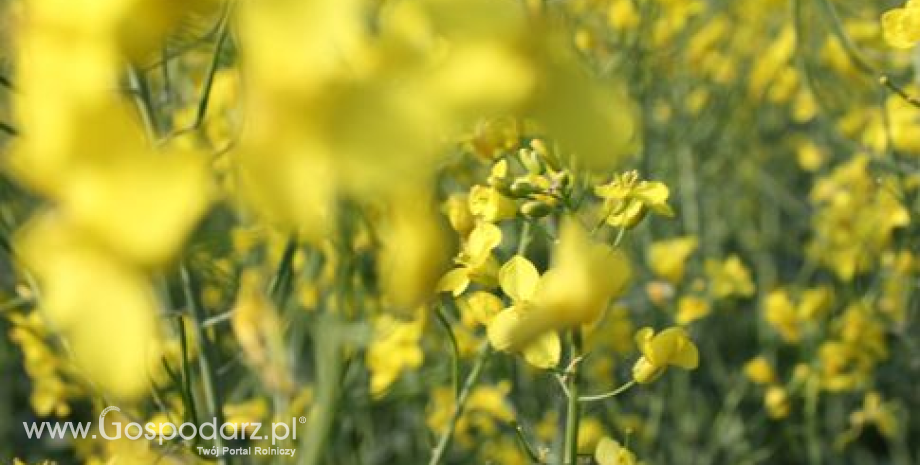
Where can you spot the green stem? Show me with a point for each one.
(141, 90)
(186, 372)
(223, 33)
(329, 367)
(813, 438)
(444, 442)
(573, 410)
(619, 238)
(848, 47)
(608, 395)
(525, 444)
(207, 356)
(281, 283)
(455, 349)
(525, 238)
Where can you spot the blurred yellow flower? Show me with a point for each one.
(729, 278)
(901, 26)
(669, 347)
(258, 329)
(691, 308)
(479, 308)
(585, 275)
(667, 258)
(777, 402)
(394, 349)
(760, 371)
(66, 267)
(781, 315)
(610, 452)
(519, 280)
(627, 199)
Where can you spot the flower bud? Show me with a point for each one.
(535, 209)
(522, 187)
(531, 161)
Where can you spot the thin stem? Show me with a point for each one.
(281, 283)
(608, 395)
(886, 81)
(204, 99)
(329, 368)
(856, 57)
(144, 102)
(848, 47)
(620, 234)
(444, 442)
(525, 444)
(525, 238)
(207, 357)
(455, 349)
(812, 437)
(573, 409)
(187, 372)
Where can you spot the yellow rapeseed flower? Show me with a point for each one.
(627, 199)
(520, 280)
(669, 347)
(901, 26)
(475, 260)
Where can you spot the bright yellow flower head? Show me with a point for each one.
(475, 260)
(627, 199)
(520, 280)
(669, 347)
(901, 26)
(584, 277)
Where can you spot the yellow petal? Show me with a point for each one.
(643, 337)
(687, 355)
(454, 281)
(652, 193)
(481, 307)
(501, 329)
(544, 351)
(519, 278)
(664, 345)
(607, 452)
(484, 237)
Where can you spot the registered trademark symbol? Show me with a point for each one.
(303, 419)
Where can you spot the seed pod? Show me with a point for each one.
(522, 187)
(531, 161)
(534, 209)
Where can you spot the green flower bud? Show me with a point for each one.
(535, 209)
